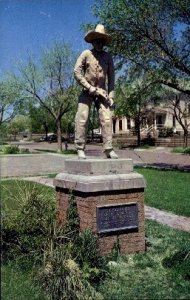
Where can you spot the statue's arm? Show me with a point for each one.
(79, 70)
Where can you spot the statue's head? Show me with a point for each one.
(98, 36)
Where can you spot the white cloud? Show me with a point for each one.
(45, 14)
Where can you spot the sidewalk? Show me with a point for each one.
(31, 164)
(44, 163)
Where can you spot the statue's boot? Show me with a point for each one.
(110, 153)
(81, 154)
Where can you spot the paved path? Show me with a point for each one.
(31, 164)
(163, 217)
(40, 164)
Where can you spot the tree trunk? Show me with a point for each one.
(138, 135)
(185, 138)
(46, 129)
(59, 140)
(138, 128)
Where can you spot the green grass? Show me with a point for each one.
(181, 150)
(154, 274)
(53, 175)
(18, 271)
(167, 190)
(14, 187)
(21, 151)
(17, 282)
(13, 149)
(162, 272)
(66, 152)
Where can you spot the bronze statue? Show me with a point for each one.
(94, 71)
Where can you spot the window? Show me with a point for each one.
(188, 109)
(174, 121)
(128, 123)
(120, 124)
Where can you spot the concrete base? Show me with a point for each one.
(110, 184)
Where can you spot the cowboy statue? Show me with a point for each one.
(94, 71)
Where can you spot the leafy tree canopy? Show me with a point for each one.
(50, 82)
(9, 100)
(151, 36)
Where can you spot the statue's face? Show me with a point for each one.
(98, 44)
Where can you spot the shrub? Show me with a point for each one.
(181, 150)
(148, 141)
(71, 263)
(11, 149)
(62, 279)
(186, 151)
(166, 132)
(24, 151)
(83, 246)
(69, 151)
(25, 230)
(86, 254)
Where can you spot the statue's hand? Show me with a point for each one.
(102, 93)
(111, 102)
(92, 90)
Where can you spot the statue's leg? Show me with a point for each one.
(81, 120)
(105, 116)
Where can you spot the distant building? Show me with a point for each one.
(154, 119)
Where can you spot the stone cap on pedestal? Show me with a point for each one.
(98, 166)
(95, 175)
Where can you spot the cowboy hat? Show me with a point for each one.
(98, 33)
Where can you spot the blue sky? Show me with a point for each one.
(28, 26)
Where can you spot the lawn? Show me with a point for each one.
(17, 281)
(162, 272)
(12, 190)
(167, 190)
(66, 152)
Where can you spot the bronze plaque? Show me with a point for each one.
(120, 217)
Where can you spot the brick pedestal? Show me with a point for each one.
(105, 184)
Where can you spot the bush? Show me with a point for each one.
(83, 246)
(166, 132)
(62, 279)
(148, 141)
(10, 149)
(24, 151)
(25, 230)
(69, 151)
(181, 150)
(71, 263)
(186, 151)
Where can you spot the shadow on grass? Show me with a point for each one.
(180, 260)
(70, 151)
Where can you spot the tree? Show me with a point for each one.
(9, 101)
(150, 35)
(51, 83)
(18, 124)
(179, 104)
(132, 99)
(182, 115)
(40, 119)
